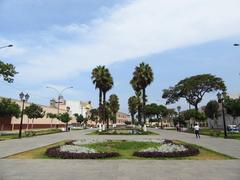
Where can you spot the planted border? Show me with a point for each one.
(191, 151)
(56, 153)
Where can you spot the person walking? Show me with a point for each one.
(197, 129)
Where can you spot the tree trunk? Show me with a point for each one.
(144, 103)
(158, 120)
(132, 115)
(66, 126)
(100, 104)
(105, 112)
(32, 123)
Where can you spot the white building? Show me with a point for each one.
(79, 107)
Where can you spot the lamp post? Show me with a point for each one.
(24, 98)
(236, 44)
(221, 100)
(59, 95)
(10, 45)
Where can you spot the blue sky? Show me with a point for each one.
(58, 42)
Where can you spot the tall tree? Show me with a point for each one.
(193, 89)
(65, 118)
(51, 116)
(114, 106)
(212, 111)
(8, 109)
(133, 106)
(103, 81)
(142, 77)
(7, 71)
(34, 111)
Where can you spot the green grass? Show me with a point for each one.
(216, 133)
(38, 153)
(121, 132)
(126, 149)
(30, 134)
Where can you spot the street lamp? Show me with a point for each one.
(10, 45)
(24, 98)
(236, 44)
(59, 95)
(221, 100)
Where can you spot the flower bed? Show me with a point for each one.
(168, 149)
(74, 151)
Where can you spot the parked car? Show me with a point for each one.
(233, 128)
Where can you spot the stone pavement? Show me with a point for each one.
(121, 169)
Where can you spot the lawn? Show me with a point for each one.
(216, 133)
(125, 148)
(30, 134)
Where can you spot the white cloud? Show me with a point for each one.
(140, 28)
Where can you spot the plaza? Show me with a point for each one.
(119, 169)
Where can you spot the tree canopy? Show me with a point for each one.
(34, 111)
(233, 107)
(9, 108)
(79, 117)
(196, 115)
(193, 89)
(64, 117)
(7, 71)
(212, 110)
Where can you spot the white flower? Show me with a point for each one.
(166, 148)
(76, 149)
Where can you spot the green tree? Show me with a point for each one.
(7, 71)
(8, 109)
(196, 115)
(193, 89)
(114, 106)
(163, 112)
(233, 107)
(132, 106)
(212, 111)
(142, 77)
(65, 118)
(103, 81)
(94, 114)
(51, 116)
(79, 118)
(34, 111)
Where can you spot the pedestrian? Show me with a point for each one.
(197, 129)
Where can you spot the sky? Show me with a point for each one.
(57, 43)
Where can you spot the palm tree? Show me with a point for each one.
(97, 80)
(114, 106)
(104, 82)
(107, 85)
(142, 77)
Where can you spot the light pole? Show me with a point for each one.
(24, 98)
(236, 44)
(221, 100)
(59, 95)
(10, 45)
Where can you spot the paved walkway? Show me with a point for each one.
(122, 169)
